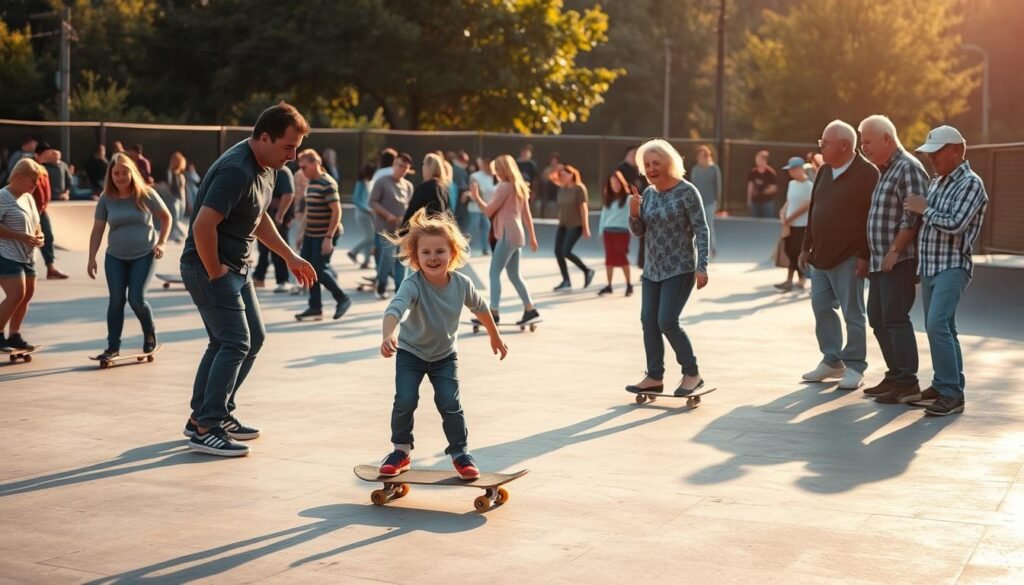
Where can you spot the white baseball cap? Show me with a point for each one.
(940, 137)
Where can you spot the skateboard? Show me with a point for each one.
(398, 486)
(368, 284)
(170, 279)
(532, 325)
(24, 355)
(140, 357)
(692, 400)
(310, 318)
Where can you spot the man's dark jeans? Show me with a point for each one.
(267, 256)
(890, 298)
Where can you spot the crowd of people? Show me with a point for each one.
(866, 214)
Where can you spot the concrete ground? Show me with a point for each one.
(770, 480)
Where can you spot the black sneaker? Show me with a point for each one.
(352, 257)
(566, 285)
(108, 354)
(605, 291)
(16, 342)
(237, 430)
(149, 345)
(190, 429)
(311, 314)
(217, 442)
(529, 317)
(343, 307)
(589, 278)
(475, 321)
(629, 290)
(680, 391)
(945, 405)
(3, 343)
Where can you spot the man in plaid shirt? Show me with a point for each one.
(892, 269)
(951, 218)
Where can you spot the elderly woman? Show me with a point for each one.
(670, 216)
(20, 235)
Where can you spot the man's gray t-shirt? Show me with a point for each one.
(237, 187)
(132, 233)
(431, 330)
(392, 196)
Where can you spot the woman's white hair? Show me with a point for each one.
(881, 124)
(843, 131)
(662, 147)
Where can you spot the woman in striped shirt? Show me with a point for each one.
(20, 235)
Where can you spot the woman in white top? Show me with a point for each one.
(486, 183)
(20, 235)
(794, 219)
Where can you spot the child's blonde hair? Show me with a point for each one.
(436, 224)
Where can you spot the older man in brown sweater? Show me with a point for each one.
(836, 245)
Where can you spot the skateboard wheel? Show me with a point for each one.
(482, 503)
(140, 359)
(150, 358)
(502, 496)
(640, 399)
(167, 285)
(402, 490)
(14, 358)
(379, 497)
(522, 328)
(104, 365)
(476, 329)
(533, 328)
(693, 402)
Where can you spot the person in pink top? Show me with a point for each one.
(509, 212)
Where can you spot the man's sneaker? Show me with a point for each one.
(107, 355)
(237, 430)
(823, 372)
(3, 343)
(352, 257)
(529, 317)
(310, 314)
(466, 467)
(149, 345)
(395, 463)
(190, 429)
(343, 307)
(605, 291)
(589, 278)
(17, 342)
(217, 442)
(284, 287)
(851, 380)
(566, 285)
(883, 387)
(945, 405)
(383, 296)
(900, 394)
(928, 396)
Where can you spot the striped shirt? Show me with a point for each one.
(320, 192)
(952, 221)
(903, 175)
(18, 214)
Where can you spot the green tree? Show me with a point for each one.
(828, 59)
(20, 78)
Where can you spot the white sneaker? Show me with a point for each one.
(823, 372)
(284, 287)
(852, 380)
(382, 296)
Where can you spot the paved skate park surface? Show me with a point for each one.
(770, 480)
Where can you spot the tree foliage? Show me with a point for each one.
(20, 78)
(828, 59)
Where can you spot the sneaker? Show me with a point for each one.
(605, 291)
(629, 290)
(589, 278)
(107, 355)
(365, 265)
(680, 391)
(383, 296)
(823, 372)
(259, 283)
(529, 317)
(343, 307)
(238, 431)
(190, 429)
(465, 466)
(217, 442)
(945, 405)
(16, 342)
(784, 286)
(3, 344)
(495, 316)
(149, 345)
(395, 463)
(851, 380)
(564, 286)
(883, 387)
(900, 394)
(298, 290)
(352, 257)
(928, 396)
(284, 287)
(312, 314)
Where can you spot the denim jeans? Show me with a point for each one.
(840, 284)
(388, 265)
(506, 258)
(47, 249)
(565, 240)
(443, 375)
(312, 251)
(176, 207)
(365, 222)
(479, 227)
(127, 281)
(763, 209)
(234, 324)
(941, 295)
(267, 257)
(709, 216)
(660, 307)
(890, 298)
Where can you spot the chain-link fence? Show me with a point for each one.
(1001, 166)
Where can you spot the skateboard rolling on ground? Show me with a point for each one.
(170, 279)
(367, 284)
(24, 355)
(309, 318)
(532, 325)
(398, 486)
(139, 357)
(692, 400)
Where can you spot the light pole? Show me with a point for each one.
(985, 104)
(668, 84)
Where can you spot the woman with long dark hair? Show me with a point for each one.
(614, 229)
(573, 223)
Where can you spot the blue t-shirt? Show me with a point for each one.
(237, 187)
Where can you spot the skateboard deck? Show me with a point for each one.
(319, 317)
(369, 284)
(532, 326)
(139, 357)
(24, 355)
(170, 279)
(692, 400)
(398, 486)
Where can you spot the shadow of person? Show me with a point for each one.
(131, 461)
(833, 444)
(332, 518)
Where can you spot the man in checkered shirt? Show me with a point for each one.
(951, 218)
(892, 275)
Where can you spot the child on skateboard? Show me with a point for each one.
(433, 297)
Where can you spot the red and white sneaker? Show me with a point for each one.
(466, 467)
(395, 463)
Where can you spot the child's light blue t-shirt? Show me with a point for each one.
(431, 329)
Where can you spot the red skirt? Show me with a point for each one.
(616, 248)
